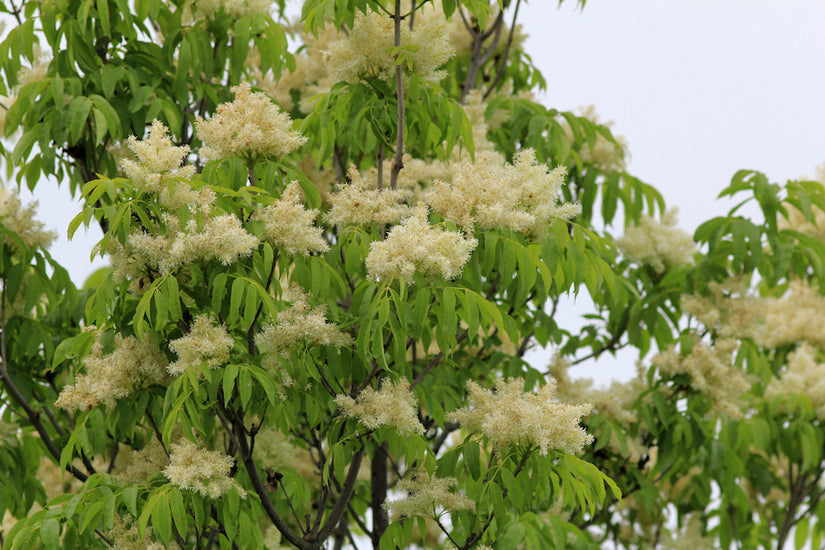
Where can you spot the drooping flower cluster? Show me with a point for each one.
(289, 225)
(415, 245)
(360, 202)
(521, 197)
(206, 344)
(660, 245)
(712, 373)
(201, 470)
(805, 376)
(131, 365)
(300, 323)
(508, 416)
(427, 496)
(392, 405)
(251, 127)
(367, 50)
(20, 219)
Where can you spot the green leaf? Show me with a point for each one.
(78, 114)
(50, 533)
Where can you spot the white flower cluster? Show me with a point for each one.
(603, 153)
(392, 405)
(712, 373)
(805, 376)
(289, 225)
(20, 219)
(156, 157)
(521, 197)
(797, 316)
(614, 402)
(508, 416)
(360, 202)
(367, 50)
(206, 344)
(660, 245)
(251, 127)
(415, 245)
(300, 323)
(235, 9)
(125, 535)
(221, 238)
(158, 168)
(150, 460)
(131, 365)
(200, 470)
(427, 496)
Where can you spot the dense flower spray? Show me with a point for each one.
(507, 415)
(415, 245)
(392, 405)
(251, 127)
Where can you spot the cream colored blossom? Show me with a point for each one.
(603, 153)
(803, 376)
(235, 9)
(300, 323)
(392, 405)
(521, 197)
(5, 105)
(689, 536)
(36, 72)
(660, 245)
(367, 50)
(309, 77)
(156, 157)
(251, 127)
(200, 470)
(20, 220)
(125, 535)
(206, 344)
(275, 451)
(615, 402)
(272, 539)
(428, 496)
(415, 245)
(712, 373)
(289, 225)
(142, 464)
(111, 376)
(508, 416)
(360, 202)
(770, 321)
(221, 238)
(8, 432)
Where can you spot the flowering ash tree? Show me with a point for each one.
(331, 244)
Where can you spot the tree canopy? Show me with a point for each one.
(331, 244)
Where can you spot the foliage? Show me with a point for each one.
(250, 374)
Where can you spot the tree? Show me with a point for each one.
(327, 264)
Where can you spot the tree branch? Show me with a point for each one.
(398, 158)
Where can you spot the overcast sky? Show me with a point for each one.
(699, 88)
